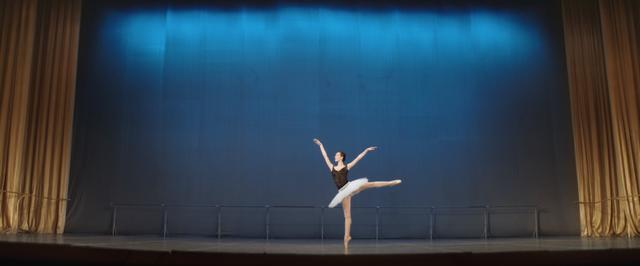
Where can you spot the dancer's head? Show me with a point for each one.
(340, 156)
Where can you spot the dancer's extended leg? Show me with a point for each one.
(346, 207)
(378, 184)
(382, 183)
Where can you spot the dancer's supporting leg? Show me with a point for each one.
(346, 207)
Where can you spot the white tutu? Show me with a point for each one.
(347, 190)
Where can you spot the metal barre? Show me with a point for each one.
(611, 199)
(21, 196)
(429, 210)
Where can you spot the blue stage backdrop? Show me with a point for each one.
(201, 103)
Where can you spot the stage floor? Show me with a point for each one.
(326, 247)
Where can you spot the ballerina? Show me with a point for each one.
(348, 189)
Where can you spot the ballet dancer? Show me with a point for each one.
(346, 188)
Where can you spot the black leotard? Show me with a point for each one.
(340, 177)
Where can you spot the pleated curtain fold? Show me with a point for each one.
(603, 62)
(38, 58)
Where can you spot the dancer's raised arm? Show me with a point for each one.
(324, 154)
(360, 156)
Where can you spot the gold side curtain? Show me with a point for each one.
(38, 57)
(603, 63)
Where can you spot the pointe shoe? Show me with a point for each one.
(396, 182)
(346, 240)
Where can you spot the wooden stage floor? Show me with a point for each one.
(79, 249)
